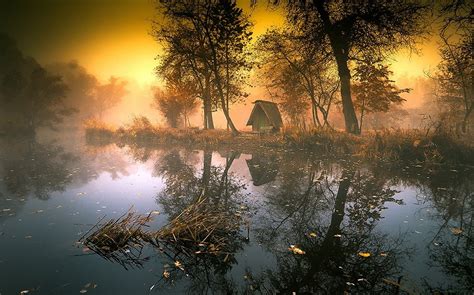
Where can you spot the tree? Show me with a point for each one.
(175, 104)
(292, 65)
(455, 74)
(30, 96)
(352, 28)
(292, 100)
(208, 39)
(109, 94)
(86, 93)
(373, 89)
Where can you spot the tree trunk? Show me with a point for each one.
(465, 119)
(350, 118)
(314, 112)
(362, 112)
(225, 110)
(208, 121)
(340, 49)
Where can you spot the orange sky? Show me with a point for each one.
(112, 37)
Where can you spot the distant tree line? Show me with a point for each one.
(34, 96)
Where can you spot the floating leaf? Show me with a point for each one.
(83, 291)
(296, 250)
(166, 274)
(178, 265)
(456, 230)
(364, 254)
(313, 235)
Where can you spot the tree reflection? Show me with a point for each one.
(451, 196)
(37, 169)
(222, 192)
(330, 213)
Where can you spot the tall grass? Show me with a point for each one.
(416, 146)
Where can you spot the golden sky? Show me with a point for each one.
(112, 37)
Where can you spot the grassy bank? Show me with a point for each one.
(387, 145)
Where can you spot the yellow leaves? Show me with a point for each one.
(166, 274)
(296, 250)
(456, 230)
(364, 254)
(179, 265)
(312, 235)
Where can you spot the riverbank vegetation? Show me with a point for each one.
(388, 145)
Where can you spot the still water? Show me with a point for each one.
(357, 227)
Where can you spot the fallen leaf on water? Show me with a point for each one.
(383, 254)
(364, 254)
(178, 265)
(313, 235)
(83, 291)
(338, 236)
(296, 250)
(456, 230)
(166, 274)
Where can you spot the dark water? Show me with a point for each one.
(365, 228)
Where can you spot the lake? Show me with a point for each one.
(306, 223)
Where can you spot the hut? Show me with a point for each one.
(263, 169)
(265, 116)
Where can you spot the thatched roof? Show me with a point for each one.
(271, 111)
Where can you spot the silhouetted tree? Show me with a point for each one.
(109, 94)
(353, 28)
(373, 89)
(299, 69)
(86, 93)
(178, 101)
(209, 38)
(30, 96)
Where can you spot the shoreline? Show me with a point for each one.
(385, 145)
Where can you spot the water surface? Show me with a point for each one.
(363, 227)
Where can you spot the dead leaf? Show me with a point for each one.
(296, 250)
(313, 235)
(456, 230)
(178, 265)
(364, 254)
(166, 274)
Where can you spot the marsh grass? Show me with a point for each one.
(416, 146)
(197, 231)
(119, 240)
(386, 145)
